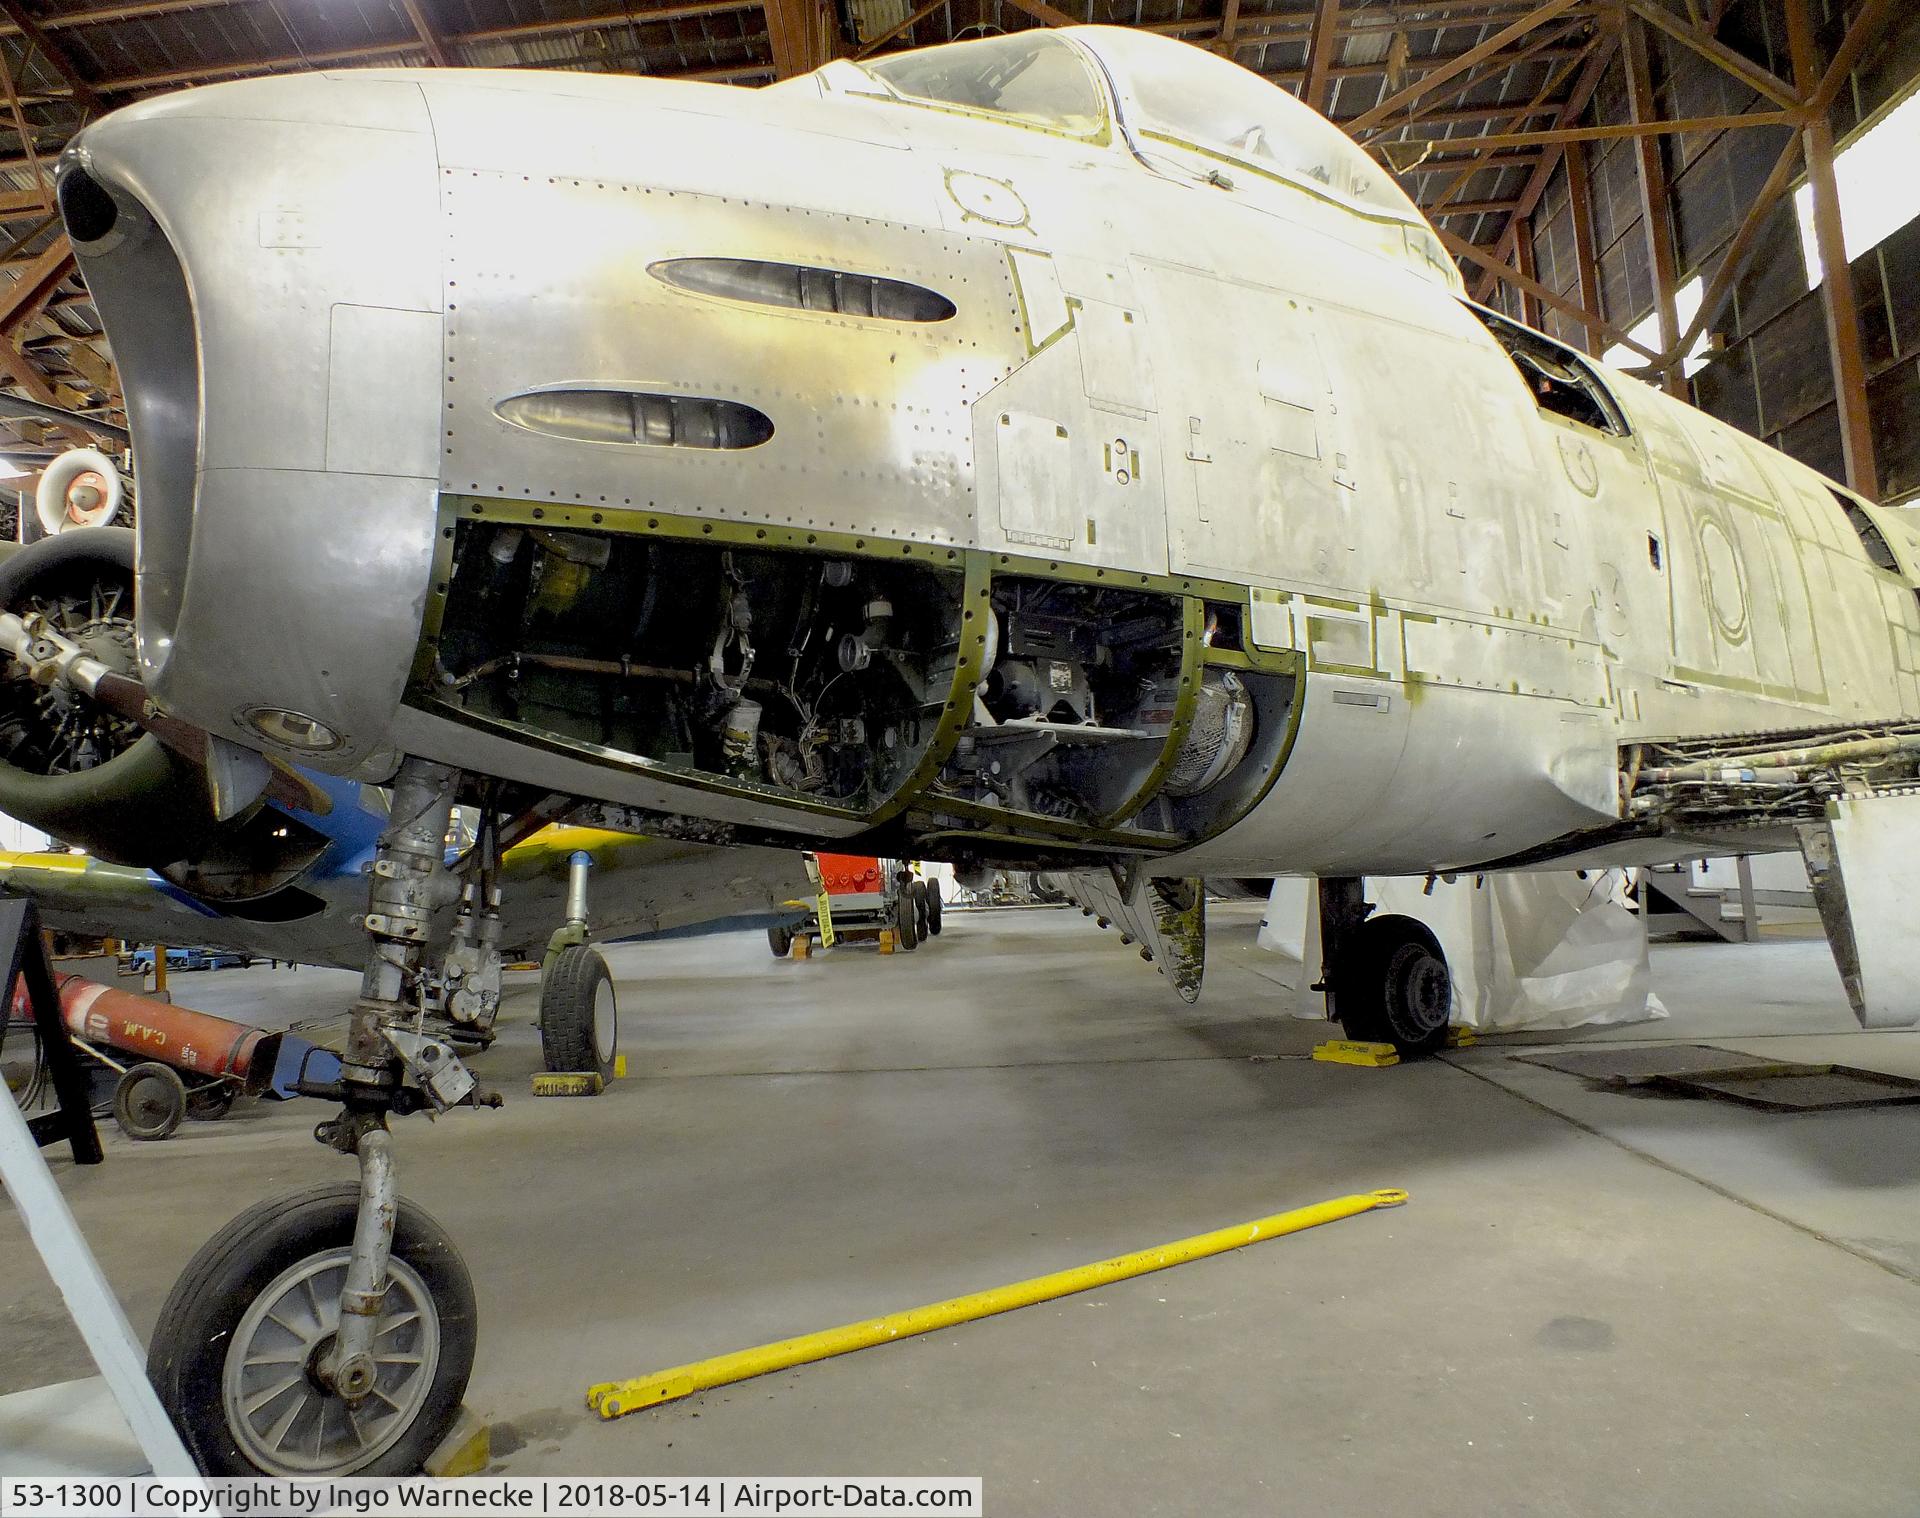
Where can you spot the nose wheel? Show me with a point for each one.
(238, 1354)
(331, 1332)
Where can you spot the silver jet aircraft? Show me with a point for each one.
(1060, 450)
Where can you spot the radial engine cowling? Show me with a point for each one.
(86, 775)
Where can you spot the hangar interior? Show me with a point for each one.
(1599, 1297)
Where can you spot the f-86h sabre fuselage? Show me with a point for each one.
(1062, 446)
(1059, 449)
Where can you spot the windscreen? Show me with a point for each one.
(1031, 75)
(1176, 91)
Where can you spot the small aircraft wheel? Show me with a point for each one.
(780, 940)
(922, 915)
(906, 926)
(932, 888)
(210, 1102)
(234, 1355)
(1396, 989)
(579, 1020)
(149, 1101)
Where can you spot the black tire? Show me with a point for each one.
(780, 940)
(579, 1031)
(149, 1101)
(1395, 987)
(212, 1101)
(200, 1326)
(922, 920)
(906, 927)
(933, 907)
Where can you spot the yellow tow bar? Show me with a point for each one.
(615, 1399)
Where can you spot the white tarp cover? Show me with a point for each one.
(1551, 950)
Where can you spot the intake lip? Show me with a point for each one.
(86, 206)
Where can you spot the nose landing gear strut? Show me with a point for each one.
(331, 1332)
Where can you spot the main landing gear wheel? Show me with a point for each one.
(906, 920)
(1395, 988)
(933, 906)
(235, 1354)
(149, 1101)
(579, 1020)
(922, 914)
(780, 940)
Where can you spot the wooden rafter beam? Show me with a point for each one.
(427, 32)
(1047, 15)
(1229, 24)
(1469, 115)
(1322, 46)
(1471, 208)
(1474, 254)
(1537, 17)
(1549, 87)
(21, 301)
(1493, 163)
(1544, 45)
(30, 28)
(1755, 77)
(1585, 83)
(1656, 199)
(1661, 128)
(799, 34)
(316, 58)
(1580, 208)
(899, 29)
(1845, 351)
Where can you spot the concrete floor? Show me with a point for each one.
(1594, 1303)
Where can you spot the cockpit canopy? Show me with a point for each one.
(1033, 76)
(1169, 93)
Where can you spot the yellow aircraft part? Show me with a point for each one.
(614, 1399)
(75, 864)
(1348, 1051)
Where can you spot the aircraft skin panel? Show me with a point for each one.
(1163, 366)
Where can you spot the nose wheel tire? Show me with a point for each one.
(922, 914)
(579, 1018)
(235, 1352)
(933, 907)
(1394, 987)
(780, 940)
(149, 1101)
(906, 920)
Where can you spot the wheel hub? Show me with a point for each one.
(284, 1415)
(1420, 992)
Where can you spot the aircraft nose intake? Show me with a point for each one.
(205, 223)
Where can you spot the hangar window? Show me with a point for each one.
(1032, 76)
(1557, 378)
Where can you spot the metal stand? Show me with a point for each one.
(72, 1118)
(95, 1310)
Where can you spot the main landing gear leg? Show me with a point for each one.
(1385, 978)
(331, 1332)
